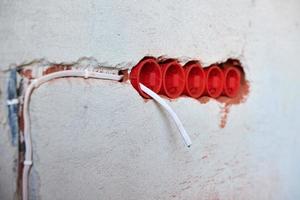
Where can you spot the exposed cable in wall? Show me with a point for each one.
(83, 74)
(27, 134)
(158, 99)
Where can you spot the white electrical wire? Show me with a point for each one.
(158, 99)
(27, 135)
(84, 74)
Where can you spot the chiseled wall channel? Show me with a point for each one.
(97, 139)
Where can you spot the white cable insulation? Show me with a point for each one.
(27, 135)
(186, 138)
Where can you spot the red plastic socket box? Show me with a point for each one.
(194, 79)
(232, 76)
(169, 78)
(173, 78)
(214, 81)
(147, 72)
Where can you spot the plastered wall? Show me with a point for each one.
(100, 140)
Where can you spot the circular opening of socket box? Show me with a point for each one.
(195, 80)
(232, 81)
(173, 79)
(147, 72)
(215, 81)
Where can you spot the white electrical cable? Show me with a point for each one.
(158, 99)
(84, 74)
(27, 135)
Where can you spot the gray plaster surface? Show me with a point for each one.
(100, 140)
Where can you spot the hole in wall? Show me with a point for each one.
(225, 82)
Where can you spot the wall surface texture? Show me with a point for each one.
(95, 139)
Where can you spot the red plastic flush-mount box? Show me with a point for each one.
(148, 72)
(214, 81)
(173, 77)
(232, 82)
(168, 77)
(194, 79)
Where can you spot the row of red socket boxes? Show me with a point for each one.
(170, 78)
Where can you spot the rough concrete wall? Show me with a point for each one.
(100, 140)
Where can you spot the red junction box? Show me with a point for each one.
(194, 79)
(232, 81)
(173, 77)
(214, 81)
(148, 72)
